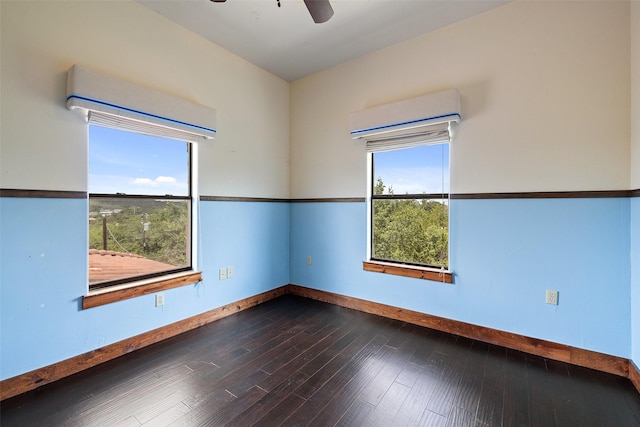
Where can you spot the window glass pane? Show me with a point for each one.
(131, 163)
(133, 237)
(418, 170)
(134, 228)
(411, 231)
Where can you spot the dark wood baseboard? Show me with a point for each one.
(634, 375)
(39, 377)
(564, 353)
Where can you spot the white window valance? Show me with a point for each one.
(109, 101)
(425, 119)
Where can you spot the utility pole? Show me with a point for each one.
(145, 228)
(104, 232)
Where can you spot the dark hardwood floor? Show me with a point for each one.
(293, 361)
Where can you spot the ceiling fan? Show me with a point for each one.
(320, 10)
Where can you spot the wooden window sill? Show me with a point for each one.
(414, 271)
(139, 288)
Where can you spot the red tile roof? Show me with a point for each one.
(111, 265)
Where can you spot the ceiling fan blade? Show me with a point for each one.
(320, 10)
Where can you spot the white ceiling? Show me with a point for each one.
(286, 42)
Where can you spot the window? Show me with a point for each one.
(139, 206)
(409, 209)
(142, 195)
(407, 143)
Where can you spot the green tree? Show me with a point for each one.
(409, 230)
(164, 241)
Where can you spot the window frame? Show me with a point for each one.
(395, 267)
(107, 291)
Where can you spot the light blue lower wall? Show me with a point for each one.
(43, 276)
(251, 237)
(635, 280)
(504, 254)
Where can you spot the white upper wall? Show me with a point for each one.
(43, 146)
(545, 101)
(635, 95)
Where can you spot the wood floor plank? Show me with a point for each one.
(128, 422)
(247, 363)
(261, 408)
(124, 371)
(460, 417)
(123, 400)
(168, 416)
(318, 362)
(343, 399)
(492, 394)
(470, 384)
(449, 382)
(224, 415)
(431, 419)
(601, 395)
(244, 383)
(388, 407)
(413, 407)
(409, 374)
(283, 410)
(540, 397)
(303, 358)
(146, 413)
(385, 379)
(204, 407)
(515, 410)
(632, 399)
(424, 347)
(318, 379)
(399, 333)
(302, 342)
(294, 361)
(401, 348)
(280, 331)
(319, 404)
(356, 415)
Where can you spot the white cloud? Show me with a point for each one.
(111, 184)
(166, 180)
(148, 182)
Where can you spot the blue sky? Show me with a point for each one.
(414, 170)
(131, 163)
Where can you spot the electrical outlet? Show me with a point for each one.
(229, 272)
(308, 260)
(551, 297)
(222, 273)
(159, 300)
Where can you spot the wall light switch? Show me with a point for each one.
(229, 272)
(159, 300)
(222, 273)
